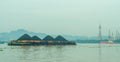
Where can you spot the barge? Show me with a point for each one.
(27, 40)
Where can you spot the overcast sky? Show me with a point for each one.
(73, 17)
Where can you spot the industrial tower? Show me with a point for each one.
(100, 33)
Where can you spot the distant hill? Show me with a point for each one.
(14, 35)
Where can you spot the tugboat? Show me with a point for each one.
(106, 42)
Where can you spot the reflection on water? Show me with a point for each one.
(78, 53)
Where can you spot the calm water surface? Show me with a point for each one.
(78, 53)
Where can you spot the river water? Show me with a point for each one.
(77, 53)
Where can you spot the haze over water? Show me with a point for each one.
(73, 17)
(78, 53)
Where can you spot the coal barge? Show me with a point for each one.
(27, 40)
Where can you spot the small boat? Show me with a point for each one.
(106, 42)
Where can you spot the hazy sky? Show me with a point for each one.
(74, 17)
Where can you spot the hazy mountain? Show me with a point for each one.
(13, 35)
